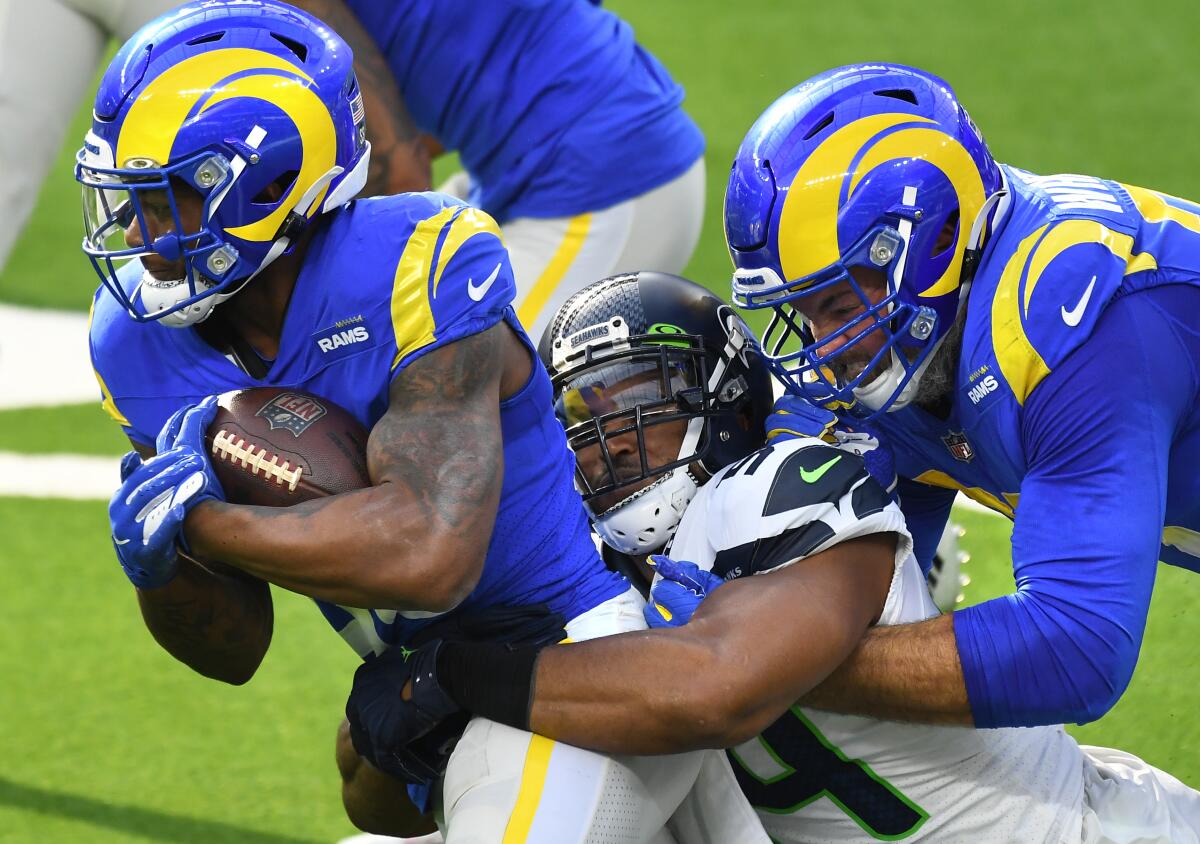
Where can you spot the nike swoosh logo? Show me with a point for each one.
(477, 292)
(811, 476)
(1073, 316)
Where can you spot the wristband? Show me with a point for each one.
(489, 679)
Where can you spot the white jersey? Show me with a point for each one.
(816, 776)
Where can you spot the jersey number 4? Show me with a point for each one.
(792, 764)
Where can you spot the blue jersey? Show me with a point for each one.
(383, 282)
(1076, 409)
(553, 107)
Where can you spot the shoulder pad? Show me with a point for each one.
(1053, 277)
(787, 501)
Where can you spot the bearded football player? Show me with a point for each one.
(663, 391)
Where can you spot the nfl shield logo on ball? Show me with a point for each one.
(291, 412)
(959, 447)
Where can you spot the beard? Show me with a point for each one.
(935, 391)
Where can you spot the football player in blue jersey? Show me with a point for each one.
(1030, 341)
(227, 142)
(571, 133)
(664, 393)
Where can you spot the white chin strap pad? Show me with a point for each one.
(158, 296)
(646, 521)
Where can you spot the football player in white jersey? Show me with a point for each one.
(652, 376)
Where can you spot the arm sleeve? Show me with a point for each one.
(1097, 435)
(926, 511)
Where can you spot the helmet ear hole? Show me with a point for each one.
(947, 236)
(278, 189)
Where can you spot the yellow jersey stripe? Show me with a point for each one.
(533, 781)
(107, 403)
(1020, 363)
(466, 225)
(1006, 506)
(572, 242)
(412, 317)
(1154, 208)
(1023, 367)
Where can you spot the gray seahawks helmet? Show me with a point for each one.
(638, 350)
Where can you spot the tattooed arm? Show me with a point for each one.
(399, 156)
(416, 539)
(215, 620)
(216, 623)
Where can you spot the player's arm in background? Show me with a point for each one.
(1098, 432)
(400, 154)
(214, 619)
(417, 538)
(748, 653)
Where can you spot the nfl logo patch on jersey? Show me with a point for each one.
(291, 412)
(960, 449)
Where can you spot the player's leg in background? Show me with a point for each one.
(48, 58)
(1127, 801)
(666, 225)
(555, 258)
(505, 785)
(374, 801)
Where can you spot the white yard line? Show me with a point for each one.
(58, 476)
(44, 358)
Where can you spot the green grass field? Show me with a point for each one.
(108, 740)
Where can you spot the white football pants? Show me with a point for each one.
(504, 785)
(554, 258)
(1127, 801)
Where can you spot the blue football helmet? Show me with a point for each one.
(860, 166)
(254, 106)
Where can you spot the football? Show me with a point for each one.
(274, 447)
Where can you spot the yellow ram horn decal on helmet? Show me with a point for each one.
(317, 137)
(949, 156)
(156, 117)
(808, 224)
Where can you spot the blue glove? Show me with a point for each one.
(409, 739)
(794, 417)
(187, 427)
(869, 444)
(147, 511)
(682, 587)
